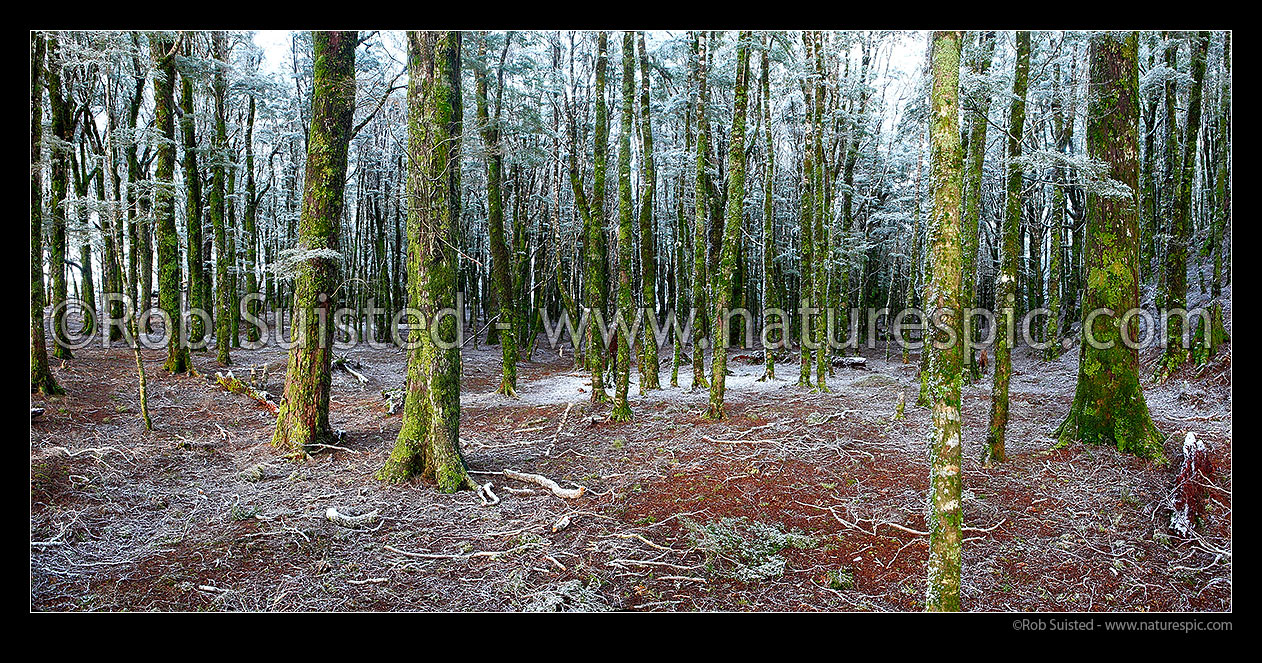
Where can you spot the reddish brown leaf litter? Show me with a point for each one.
(201, 513)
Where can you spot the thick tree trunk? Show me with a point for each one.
(1109, 406)
(304, 411)
(429, 442)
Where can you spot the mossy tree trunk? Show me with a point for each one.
(595, 246)
(979, 104)
(1109, 406)
(1005, 283)
(63, 129)
(162, 50)
(429, 441)
(249, 225)
(1222, 175)
(699, 280)
(768, 206)
(945, 377)
(303, 419)
(1063, 132)
(806, 233)
(83, 177)
(224, 312)
(734, 214)
(823, 244)
(42, 379)
(1176, 287)
(649, 379)
(625, 306)
(193, 204)
(500, 260)
(1170, 167)
(1148, 193)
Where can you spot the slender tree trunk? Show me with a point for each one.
(945, 378)
(253, 307)
(806, 239)
(1176, 352)
(1223, 178)
(770, 301)
(731, 230)
(1148, 193)
(62, 126)
(42, 379)
(1063, 133)
(624, 314)
(500, 258)
(218, 193)
(169, 278)
(304, 410)
(980, 103)
(648, 236)
(823, 245)
(193, 209)
(699, 280)
(1005, 284)
(1109, 406)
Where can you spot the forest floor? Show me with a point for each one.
(799, 501)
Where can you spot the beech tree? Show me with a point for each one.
(508, 319)
(429, 441)
(978, 104)
(162, 50)
(731, 230)
(42, 379)
(625, 305)
(649, 380)
(1109, 406)
(1176, 287)
(303, 419)
(225, 312)
(1005, 283)
(943, 294)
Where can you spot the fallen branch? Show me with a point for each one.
(351, 522)
(540, 480)
(713, 440)
(236, 386)
(488, 498)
